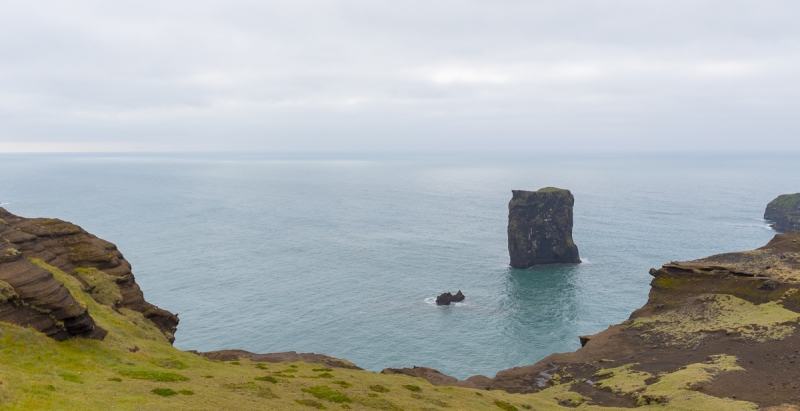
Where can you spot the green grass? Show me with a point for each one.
(324, 392)
(100, 285)
(505, 406)
(311, 403)
(378, 388)
(39, 373)
(71, 377)
(154, 375)
(164, 392)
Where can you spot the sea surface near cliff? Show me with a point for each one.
(344, 254)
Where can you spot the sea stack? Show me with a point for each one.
(784, 212)
(540, 227)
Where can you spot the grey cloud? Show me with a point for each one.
(413, 76)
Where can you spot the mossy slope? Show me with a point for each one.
(136, 368)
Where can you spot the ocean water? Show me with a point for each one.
(344, 254)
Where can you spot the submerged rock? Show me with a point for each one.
(447, 298)
(540, 228)
(784, 212)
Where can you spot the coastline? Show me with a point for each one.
(714, 331)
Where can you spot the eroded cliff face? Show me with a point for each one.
(784, 212)
(540, 228)
(30, 295)
(716, 333)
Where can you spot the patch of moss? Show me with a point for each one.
(325, 375)
(311, 403)
(414, 388)
(117, 379)
(7, 292)
(504, 406)
(379, 404)
(186, 392)
(689, 323)
(164, 392)
(153, 375)
(343, 384)
(622, 380)
(378, 388)
(324, 392)
(251, 388)
(100, 285)
(171, 363)
(322, 369)
(674, 390)
(429, 400)
(71, 377)
(84, 251)
(267, 379)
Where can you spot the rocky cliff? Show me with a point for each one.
(31, 297)
(540, 228)
(784, 212)
(718, 333)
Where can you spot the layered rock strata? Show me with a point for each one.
(784, 212)
(540, 228)
(96, 263)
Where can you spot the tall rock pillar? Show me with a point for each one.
(540, 228)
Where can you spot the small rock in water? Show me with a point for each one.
(447, 298)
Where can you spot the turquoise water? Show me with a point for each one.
(343, 255)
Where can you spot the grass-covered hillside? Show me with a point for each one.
(136, 368)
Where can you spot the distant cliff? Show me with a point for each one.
(784, 212)
(540, 228)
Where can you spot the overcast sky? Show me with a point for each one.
(399, 75)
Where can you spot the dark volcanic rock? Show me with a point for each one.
(540, 228)
(432, 376)
(784, 212)
(65, 246)
(447, 298)
(289, 356)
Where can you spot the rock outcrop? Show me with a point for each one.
(721, 332)
(289, 356)
(44, 303)
(432, 376)
(31, 297)
(447, 298)
(540, 228)
(784, 212)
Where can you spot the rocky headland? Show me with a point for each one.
(784, 212)
(540, 228)
(32, 297)
(718, 333)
